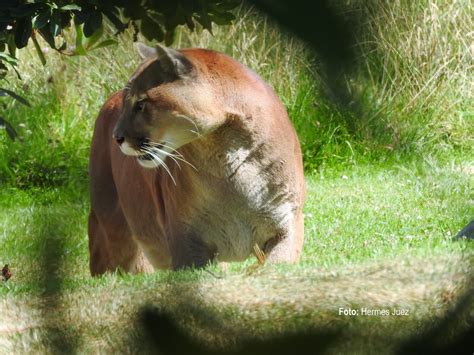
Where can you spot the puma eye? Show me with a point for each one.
(139, 105)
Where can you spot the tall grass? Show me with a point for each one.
(417, 58)
(413, 85)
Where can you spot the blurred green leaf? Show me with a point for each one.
(93, 23)
(203, 15)
(16, 72)
(190, 22)
(89, 42)
(38, 50)
(70, 7)
(119, 25)
(106, 43)
(4, 92)
(26, 10)
(79, 36)
(81, 16)
(151, 29)
(3, 70)
(169, 37)
(5, 57)
(227, 5)
(47, 36)
(23, 30)
(66, 17)
(11, 45)
(55, 23)
(9, 128)
(42, 19)
(63, 46)
(134, 12)
(222, 18)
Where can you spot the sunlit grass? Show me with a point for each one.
(388, 187)
(351, 217)
(374, 238)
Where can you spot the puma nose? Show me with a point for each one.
(119, 140)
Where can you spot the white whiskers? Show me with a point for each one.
(153, 153)
(157, 153)
(196, 132)
(175, 155)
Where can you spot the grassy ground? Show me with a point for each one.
(375, 238)
(363, 214)
(388, 188)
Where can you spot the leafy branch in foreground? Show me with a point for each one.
(4, 123)
(156, 20)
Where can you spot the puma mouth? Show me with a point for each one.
(149, 153)
(147, 144)
(145, 157)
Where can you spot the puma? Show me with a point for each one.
(194, 160)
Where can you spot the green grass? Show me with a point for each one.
(375, 238)
(354, 217)
(388, 187)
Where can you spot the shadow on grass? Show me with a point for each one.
(453, 334)
(162, 334)
(163, 330)
(51, 244)
(166, 337)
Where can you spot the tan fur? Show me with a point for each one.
(248, 185)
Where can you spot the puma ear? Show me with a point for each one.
(144, 51)
(173, 61)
